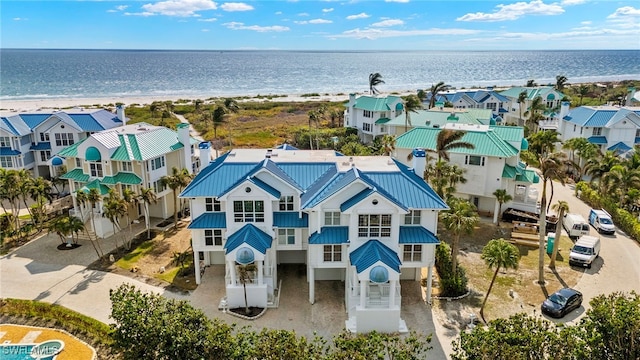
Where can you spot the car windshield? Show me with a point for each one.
(585, 227)
(605, 221)
(582, 250)
(558, 299)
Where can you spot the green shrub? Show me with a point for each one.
(450, 285)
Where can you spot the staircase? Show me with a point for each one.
(87, 234)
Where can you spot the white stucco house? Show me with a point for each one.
(551, 98)
(367, 221)
(369, 113)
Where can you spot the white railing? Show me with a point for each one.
(549, 124)
(378, 296)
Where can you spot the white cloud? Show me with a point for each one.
(387, 23)
(208, 20)
(303, 14)
(121, 7)
(144, 13)
(236, 7)
(358, 16)
(327, 10)
(257, 28)
(112, 11)
(178, 7)
(373, 34)
(586, 22)
(278, 12)
(515, 11)
(314, 21)
(205, 30)
(626, 17)
(625, 11)
(572, 2)
(19, 19)
(397, 1)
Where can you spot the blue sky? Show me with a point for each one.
(322, 25)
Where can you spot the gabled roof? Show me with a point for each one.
(209, 220)
(437, 118)
(14, 125)
(487, 143)
(76, 175)
(330, 235)
(81, 120)
(215, 181)
(249, 235)
(509, 133)
(532, 92)
(122, 178)
(601, 116)
(336, 184)
(290, 219)
(286, 146)
(266, 187)
(417, 235)
(96, 184)
(306, 174)
(356, 199)
(370, 253)
(375, 103)
(619, 147)
(404, 190)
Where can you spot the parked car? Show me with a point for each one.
(562, 302)
(575, 225)
(585, 251)
(601, 221)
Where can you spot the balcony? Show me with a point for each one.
(549, 124)
(378, 296)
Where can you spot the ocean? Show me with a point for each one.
(51, 74)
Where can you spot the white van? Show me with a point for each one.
(585, 251)
(575, 225)
(601, 221)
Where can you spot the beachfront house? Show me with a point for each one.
(612, 128)
(438, 118)
(32, 140)
(493, 164)
(369, 114)
(129, 157)
(551, 98)
(367, 221)
(487, 99)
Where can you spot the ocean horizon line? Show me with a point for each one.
(319, 50)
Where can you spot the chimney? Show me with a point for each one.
(120, 114)
(205, 154)
(184, 139)
(419, 161)
(564, 109)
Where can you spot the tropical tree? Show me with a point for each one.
(597, 167)
(461, 218)
(583, 91)
(544, 142)
(180, 258)
(502, 197)
(531, 83)
(620, 179)
(114, 208)
(435, 89)
(61, 227)
(498, 253)
(198, 105)
(176, 182)
(522, 99)
(561, 207)
(388, 143)
(535, 112)
(448, 140)
(245, 274)
(130, 199)
(551, 168)
(93, 197)
(10, 190)
(375, 79)
(40, 192)
(82, 198)
(561, 81)
(411, 104)
(147, 197)
(218, 118)
(76, 225)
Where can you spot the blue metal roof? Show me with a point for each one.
(409, 191)
(33, 120)
(290, 219)
(306, 174)
(286, 146)
(266, 187)
(86, 122)
(214, 180)
(278, 172)
(8, 125)
(7, 151)
(598, 140)
(587, 116)
(620, 147)
(637, 140)
(417, 235)
(356, 199)
(209, 220)
(370, 253)
(330, 235)
(41, 146)
(250, 235)
(330, 176)
(330, 188)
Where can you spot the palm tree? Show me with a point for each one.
(597, 167)
(435, 89)
(178, 180)
(411, 104)
(388, 144)
(82, 198)
(455, 176)
(562, 207)
(76, 226)
(620, 179)
(114, 208)
(583, 91)
(40, 193)
(462, 217)
(147, 197)
(501, 254)
(375, 79)
(543, 142)
(534, 113)
(522, 99)
(198, 105)
(531, 83)
(218, 118)
(448, 140)
(502, 197)
(130, 199)
(245, 273)
(61, 227)
(551, 168)
(10, 191)
(561, 81)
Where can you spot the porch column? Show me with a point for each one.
(196, 263)
(429, 276)
(311, 271)
(232, 270)
(495, 212)
(392, 293)
(260, 272)
(363, 293)
(347, 293)
(354, 277)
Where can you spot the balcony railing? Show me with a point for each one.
(378, 296)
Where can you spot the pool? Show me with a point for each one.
(43, 351)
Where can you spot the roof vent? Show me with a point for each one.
(436, 126)
(268, 154)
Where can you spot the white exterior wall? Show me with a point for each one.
(624, 131)
(481, 180)
(256, 194)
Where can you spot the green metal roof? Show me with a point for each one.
(76, 175)
(433, 118)
(148, 145)
(529, 176)
(382, 121)
(509, 133)
(487, 143)
(71, 151)
(95, 184)
(509, 172)
(532, 92)
(122, 178)
(375, 103)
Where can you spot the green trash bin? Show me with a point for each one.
(551, 237)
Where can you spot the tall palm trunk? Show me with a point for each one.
(543, 230)
(486, 297)
(556, 241)
(147, 220)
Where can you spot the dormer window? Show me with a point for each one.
(64, 139)
(374, 225)
(286, 203)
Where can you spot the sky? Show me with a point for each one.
(356, 25)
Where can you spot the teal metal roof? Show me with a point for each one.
(290, 219)
(249, 235)
(96, 184)
(487, 143)
(76, 175)
(509, 172)
(209, 220)
(436, 118)
(122, 178)
(92, 154)
(148, 144)
(330, 235)
(509, 133)
(71, 151)
(528, 176)
(417, 235)
(532, 92)
(370, 253)
(382, 121)
(373, 103)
